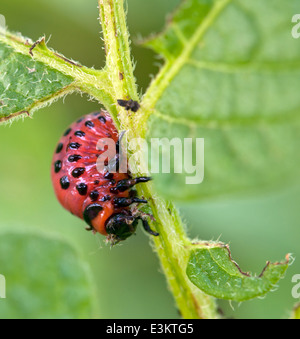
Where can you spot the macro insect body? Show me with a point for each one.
(129, 105)
(103, 199)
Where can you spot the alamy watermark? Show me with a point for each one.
(296, 27)
(2, 287)
(296, 287)
(161, 155)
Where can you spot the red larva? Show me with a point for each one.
(102, 199)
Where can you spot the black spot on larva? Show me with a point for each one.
(74, 145)
(112, 182)
(74, 157)
(96, 113)
(96, 182)
(89, 124)
(91, 212)
(67, 132)
(59, 147)
(77, 172)
(94, 195)
(82, 188)
(79, 134)
(106, 198)
(80, 120)
(64, 183)
(57, 166)
(102, 119)
(108, 176)
(114, 190)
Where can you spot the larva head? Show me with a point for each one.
(120, 227)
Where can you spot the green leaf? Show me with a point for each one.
(32, 75)
(45, 278)
(26, 84)
(231, 76)
(212, 270)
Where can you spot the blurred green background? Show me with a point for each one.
(128, 280)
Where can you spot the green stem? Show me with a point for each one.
(118, 57)
(172, 245)
(173, 249)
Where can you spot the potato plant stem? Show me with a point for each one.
(172, 245)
